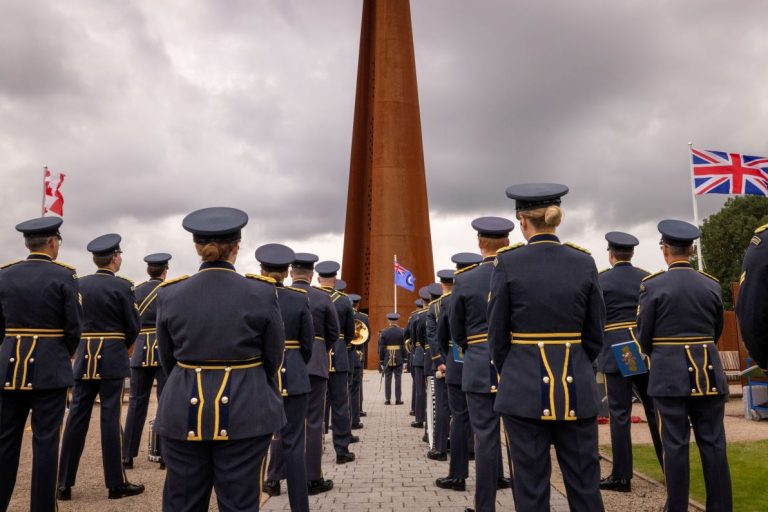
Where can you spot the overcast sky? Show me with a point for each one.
(154, 109)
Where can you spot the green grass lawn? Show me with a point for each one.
(749, 468)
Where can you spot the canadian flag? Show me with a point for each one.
(53, 201)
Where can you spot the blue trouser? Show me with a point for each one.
(287, 459)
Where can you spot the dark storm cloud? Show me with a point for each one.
(154, 109)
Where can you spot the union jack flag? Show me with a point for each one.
(718, 172)
(404, 278)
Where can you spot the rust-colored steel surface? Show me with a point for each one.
(387, 207)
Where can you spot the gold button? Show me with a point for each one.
(567, 345)
(282, 370)
(7, 384)
(285, 391)
(493, 388)
(85, 375)
(569, 379)
(227, 369)
(193, 400)
(541, 344)
(690, 368)
(87, 356)
(225, 399)
(714, 389)
(98, 356)
(191, 433)
(98, 375)
(546, 412)
(31, 359)
(223, 433)
(29, 385)
(693, 391)
(710, 367)
(331, 352)
(198, 370)
(13, 359)
(546, 380)
(572, 414)
(687, 347)
(143, 364)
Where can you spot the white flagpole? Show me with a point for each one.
(395, 311)
(45, 169)
(695, 207)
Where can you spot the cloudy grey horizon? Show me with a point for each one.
(154, 109)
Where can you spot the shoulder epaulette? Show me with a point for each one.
(141, 284)
(462, 270)
(326, 290)
(296, 289)
(10, 264)
(510, 247)
(577, 247)
(762, 228)
(709, 276)
(435, 301)
(68, 267)
(446, 294)
(261, 278)
(342, 293)
(126, 279)
(174, 280)
(654, 275)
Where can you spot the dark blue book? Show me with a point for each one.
(629, 358)
(458, 353)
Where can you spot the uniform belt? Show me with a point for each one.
(620, 325)
(240, 364)
(292, 344)
(393, 347)
(319, 338)
(39, 333)
(684, 340)
(477, 338)
(148, 330)
(546, 338)
(105, 335)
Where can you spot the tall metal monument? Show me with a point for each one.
(387, 208)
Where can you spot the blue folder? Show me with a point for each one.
(458, 354)
(629, 358)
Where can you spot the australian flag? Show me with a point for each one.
(404, 278)
(718, 172)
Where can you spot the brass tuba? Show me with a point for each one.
(362, 334)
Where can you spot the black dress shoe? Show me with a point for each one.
(319, 486)
(616, 484)
(64, 493)
(471, 456)
(363, 414)
(271, 487)
(503, 483)
(162, 465)
(411, 413)
(436, 455)
(454, 484)
(425, 438)
(417, 424)
(386, 402)
(345, 457)
(399, 402)
(125, 490)
(357, 426)
(127, 463)
(469, 509)
(354, 439)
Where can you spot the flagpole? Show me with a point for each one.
(45, 170)
(695, 207)
(395, 291)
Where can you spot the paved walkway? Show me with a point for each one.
(392, 472)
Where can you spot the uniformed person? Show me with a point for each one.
(442, 413)
(145, 361)
(545, 328)
(356, 387)
(221, 341)
(391, 357)
(338, 387)
(460, 431)
(679, 322)
(40, 318)
(621, 289)
(287, 459)
(752, 303)
(417, 333)
(411, 350)
(326, 327)
(110, 327)
(469, 327)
